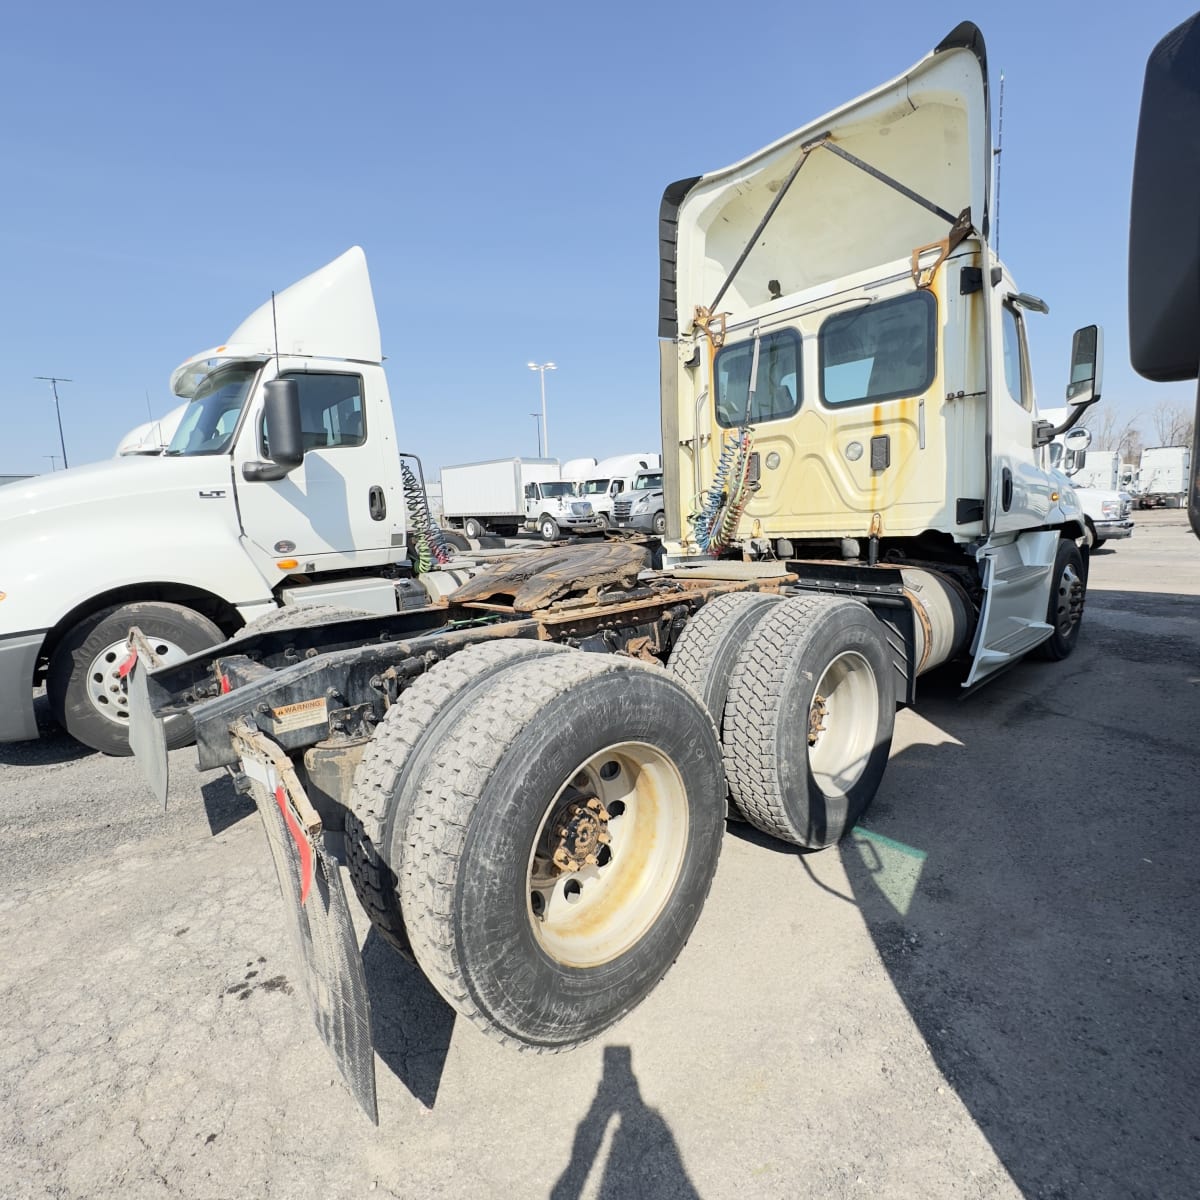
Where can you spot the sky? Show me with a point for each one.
(164, 167)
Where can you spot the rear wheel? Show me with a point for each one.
(1067, 595)
(399, 752)
(809, 718)
(554, 869)
(86, 690)
(473, 528)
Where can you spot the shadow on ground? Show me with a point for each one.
(410, 1023)
(223, 806)
(642, 1160)
(1034, 902)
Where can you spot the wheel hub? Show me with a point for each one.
(583, 831)
(816, 719)
(106, 687)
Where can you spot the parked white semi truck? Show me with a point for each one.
(856, 492)
(192, 543)
(612, 476)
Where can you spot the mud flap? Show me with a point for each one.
(147, 735)
(318, 916)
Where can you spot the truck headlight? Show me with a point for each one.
(642, 504)
(1110, 509)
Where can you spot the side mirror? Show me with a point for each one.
(1078, 439)
(1074, 462)
(1087, 366)
(281, 421)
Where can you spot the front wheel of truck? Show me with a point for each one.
(548, 528)
(561, 846)
(1067, 595)
(84, 684)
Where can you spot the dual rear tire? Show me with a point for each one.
(539, 829)
(801, 690)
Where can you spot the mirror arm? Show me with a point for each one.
(1044, 432)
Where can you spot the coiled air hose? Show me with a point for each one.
(428, 543)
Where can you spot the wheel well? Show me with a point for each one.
(220, 612)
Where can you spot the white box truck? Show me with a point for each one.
(489, 497)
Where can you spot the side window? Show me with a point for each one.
(879, 352)
(777, 387)
(531, 491)
(1014, 359)
(331, 410)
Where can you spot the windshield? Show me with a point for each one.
(645, 482)
(212, 414)
(558, 489)
(594, 487)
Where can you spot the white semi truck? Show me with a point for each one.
(534, 772)
(612, 476)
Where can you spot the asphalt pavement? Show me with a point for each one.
(990, 990)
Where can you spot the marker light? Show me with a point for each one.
(287, 564)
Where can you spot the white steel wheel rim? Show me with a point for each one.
(588, 916)
(844, 720)
(548, 529)
(106, 689)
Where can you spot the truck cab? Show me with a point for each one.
(553, 507)
(642, 506)
(845, 361)
(219, 528)
(610, 478)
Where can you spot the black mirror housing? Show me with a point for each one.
(281, 420)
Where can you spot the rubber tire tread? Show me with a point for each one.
(439, 823)
(379, 800)
(705, 653)
(304, 617)
(749, 731)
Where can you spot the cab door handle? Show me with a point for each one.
(377, 503)
(1006, 489)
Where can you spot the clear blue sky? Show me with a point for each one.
(165, 166)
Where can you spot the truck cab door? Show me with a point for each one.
(341, 506)
(1020, 489)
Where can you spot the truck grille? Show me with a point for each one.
(621, 509)
(582, 510)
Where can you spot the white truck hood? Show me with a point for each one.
(328, 314)
(928, 130)
(120, 482)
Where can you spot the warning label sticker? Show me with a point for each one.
(299, 715)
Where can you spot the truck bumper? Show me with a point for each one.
(1108, 530)
(644, 524)
(18, 656)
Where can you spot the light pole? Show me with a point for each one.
(541, 369)
(54, 382)
(538, 418)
